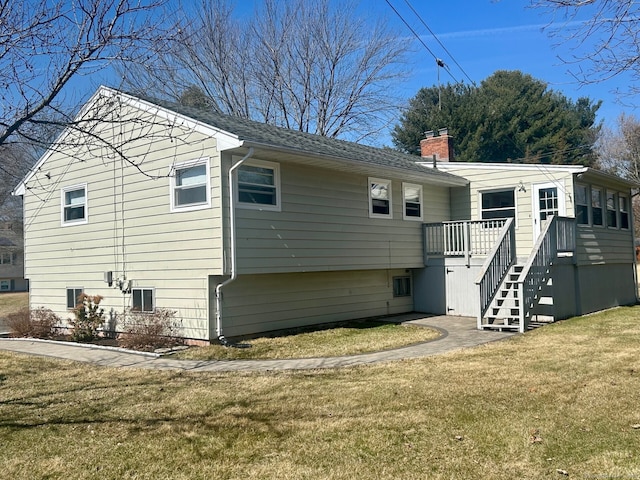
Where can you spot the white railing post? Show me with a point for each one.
(467, 243)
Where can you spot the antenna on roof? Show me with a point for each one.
(440, 64)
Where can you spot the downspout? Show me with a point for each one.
(232, 245)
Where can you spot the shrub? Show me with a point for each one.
(147, 331)
(89, 317)
(38, 323)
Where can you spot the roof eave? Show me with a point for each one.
(426, 176)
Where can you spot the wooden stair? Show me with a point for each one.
(504, 311)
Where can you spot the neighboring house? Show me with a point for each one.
(242, 227)
(11, 258)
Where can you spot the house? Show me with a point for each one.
(579, 262)
(11, 258)
(242, 227)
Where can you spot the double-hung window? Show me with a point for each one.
(74, 205)
(380, 198)
(582, 205)
(623, 203)
(612, 214)
(597, 212)
(412, 195)
(190, 185)
(498, 204)
(143, 300)
(258, 185)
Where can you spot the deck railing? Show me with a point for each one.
(557, 235)
(496, 266)
(461, 239)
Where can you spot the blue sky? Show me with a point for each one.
(488, 35)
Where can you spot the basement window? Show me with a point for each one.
(72, 296)
(402, 286)
(143, 299)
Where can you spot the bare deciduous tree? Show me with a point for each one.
(619, 149)
(46, 45)
(604, 45)
(312, 66)
(619, 153)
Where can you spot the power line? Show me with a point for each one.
(438, 40)
(415, 34)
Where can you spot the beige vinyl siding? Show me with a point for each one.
(324, 224)
(488, 179)
(130, 227)
(258, 303)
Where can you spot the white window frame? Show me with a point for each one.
(587, 204)
(497, 190)
(380, 181)
(275, 167)
(74, 296)
(63, 205)
(6, 258)
(607, 195)
(173, 187)
(406, 186)
(624, 212)
(142, 290)
(603, 207)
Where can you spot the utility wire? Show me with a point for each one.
(439, 42)
(415, 34)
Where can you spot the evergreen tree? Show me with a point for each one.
(510, 117)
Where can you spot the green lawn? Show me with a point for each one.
(563, 398)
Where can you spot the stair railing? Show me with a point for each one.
(496, 266)
(536, 270)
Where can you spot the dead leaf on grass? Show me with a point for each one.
(534, 436)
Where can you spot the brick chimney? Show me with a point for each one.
(439, 144)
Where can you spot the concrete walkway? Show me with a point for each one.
(457, 333)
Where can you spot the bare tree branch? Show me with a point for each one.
(604, 45)
(308, 65)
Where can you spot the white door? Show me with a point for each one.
(548, 199)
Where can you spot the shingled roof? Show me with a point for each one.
(254, 133)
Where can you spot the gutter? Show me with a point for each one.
(232, 245)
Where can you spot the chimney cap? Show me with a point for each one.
(439, 133)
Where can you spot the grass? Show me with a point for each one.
(565, 397)
(12, 302)
(360, 337)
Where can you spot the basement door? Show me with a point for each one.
(548, 199)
